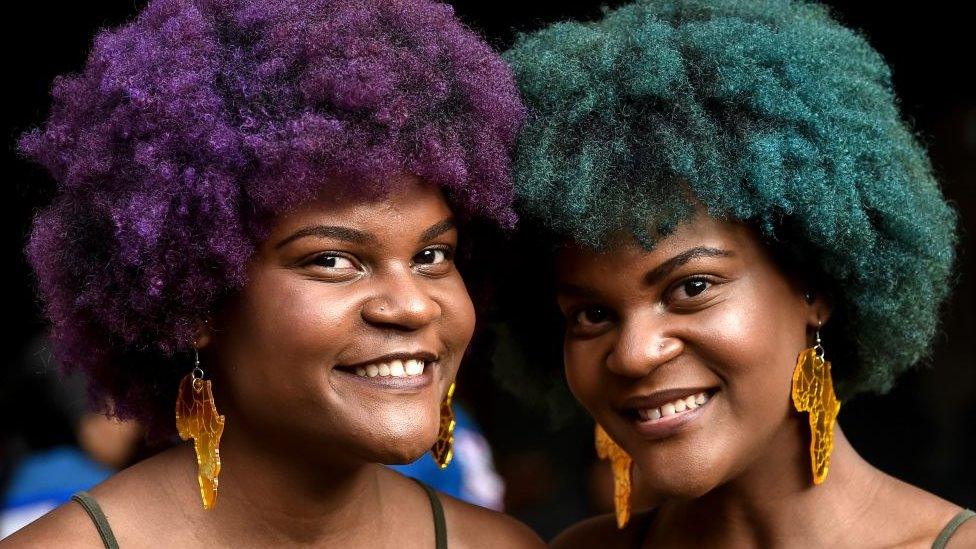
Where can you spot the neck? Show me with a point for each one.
(279, 496)
(775, 503)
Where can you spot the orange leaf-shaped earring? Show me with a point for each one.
(813, 392)
(443, 450)
(197, 417)
(620, 463)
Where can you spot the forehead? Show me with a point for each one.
(624, 253)
(410, 202)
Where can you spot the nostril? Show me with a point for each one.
(402, 312)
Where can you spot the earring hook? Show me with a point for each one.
(818, 347)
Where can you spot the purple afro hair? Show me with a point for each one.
(193, 126)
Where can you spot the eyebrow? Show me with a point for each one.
(330, 231)
(657, 273)
(664, 269)
(437, 229)
(356, 236)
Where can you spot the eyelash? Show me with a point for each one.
(314, 260)
(577, 314)
(709, 281)
(574, 316)
(448, 252)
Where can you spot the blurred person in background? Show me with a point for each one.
(57, 446)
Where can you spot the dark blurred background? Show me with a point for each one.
(921, 432)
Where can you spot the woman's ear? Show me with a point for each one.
(204, 333)
(819, 307)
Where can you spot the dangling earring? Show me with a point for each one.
(620, 463)
(197, 417)
(443, 450)
(813, 392)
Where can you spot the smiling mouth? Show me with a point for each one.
(677, 406)
(394, 371)
(411, 367)
(666, 413)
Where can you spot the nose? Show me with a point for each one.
(402, 303)
(642, 347)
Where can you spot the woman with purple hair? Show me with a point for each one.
(254, 234)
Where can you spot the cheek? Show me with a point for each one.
(290, 316)
(752, 342)
(282, 336)
(457, 315)
(584, 372)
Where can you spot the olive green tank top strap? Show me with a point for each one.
(440, 525)
(94, 511)
(954, 524)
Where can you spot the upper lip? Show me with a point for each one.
(426, 356)
(656, 399)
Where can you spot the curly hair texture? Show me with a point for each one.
(194, 125)
(763, 111)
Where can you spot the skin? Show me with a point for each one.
(710, 309)
(304, 440)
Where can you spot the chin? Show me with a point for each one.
(399, 450)
(678, 486)
(403, 454)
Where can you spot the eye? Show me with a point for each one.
(333, 261)
(588, 321)
(689, 288)
(430, 256)
(434, 260)
(590, 316)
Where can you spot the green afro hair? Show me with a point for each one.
(763, 111)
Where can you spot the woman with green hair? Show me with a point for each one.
(735, 205)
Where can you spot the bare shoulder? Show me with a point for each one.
(916, 517)
(601, 531)
(66, 526)
(473, 526)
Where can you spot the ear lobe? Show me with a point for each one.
(204, 334)
(819, 309)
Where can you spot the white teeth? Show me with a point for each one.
(414, 367)
(681, 405)
(394, 368)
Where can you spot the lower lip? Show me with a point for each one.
(393, 383)
(667, 426)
